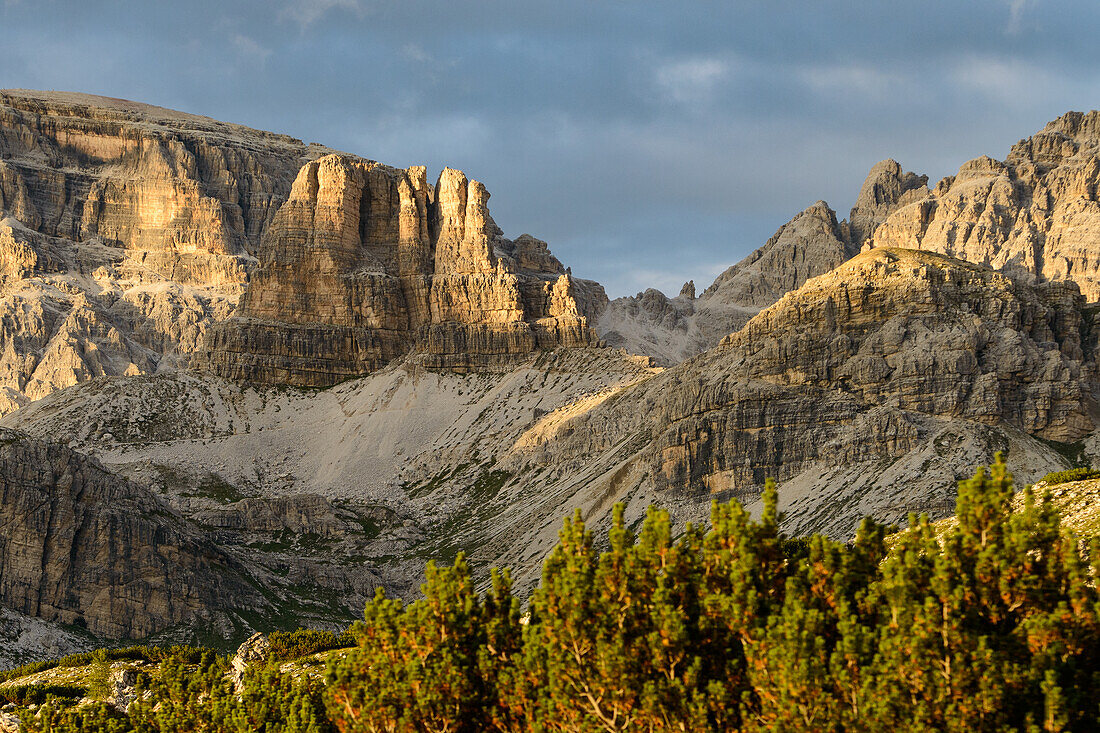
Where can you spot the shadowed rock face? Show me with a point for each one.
(364, 263)
(810, 244)
(886, 189)
(84, 547)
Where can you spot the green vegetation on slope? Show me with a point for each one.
(289, 645)
(1074, 474)
(990, 624)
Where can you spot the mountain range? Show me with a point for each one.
(246, 381)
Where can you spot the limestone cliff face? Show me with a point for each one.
(365, 263)
(886, 189)
(125, 231)
(863, 363)
(1035, 213)
(810, 244)
(84, 547)
(184, 195)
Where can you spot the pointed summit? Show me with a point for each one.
(886, 189)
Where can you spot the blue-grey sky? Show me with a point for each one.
(648, 142)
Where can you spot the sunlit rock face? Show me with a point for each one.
(1035, 213)
(365, 263)
(855, 369)
(810, 244)
(127, 231)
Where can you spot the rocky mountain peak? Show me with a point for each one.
(130, 230)
(809, 244)
(1035, 214)
(365, 263)
(886, 188)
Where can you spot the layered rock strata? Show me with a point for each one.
(810, 244)
(671, 330)
(125, 230)
(864, 363)
(1036, 213)
(85, 548)
(364, 263)
(887, 188)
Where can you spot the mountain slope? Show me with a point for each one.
(128, 231)
(381, 378)
(1035, 213)
(810, 244)
(869, 390)
(67, 523)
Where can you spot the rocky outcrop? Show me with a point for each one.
(299, 514)
(808, 245)
(254, 651)
(886, 189)
(671, 330)
(365, 263)
(86, 548)
(865, 364)
(892, 329)
(125, 231)
(1034, 214)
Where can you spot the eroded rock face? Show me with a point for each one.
(862, 363)
(125, 231)
(84, 547)
(886, 189)
(671, 330)
(254, 651)
(808, 245)
(1035, 213)
(365, 263)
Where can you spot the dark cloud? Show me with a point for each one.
(648, 142)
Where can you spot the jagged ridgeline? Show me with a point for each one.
(986, 622)
(129, 230)
(248, 381)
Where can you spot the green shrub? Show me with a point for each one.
(989, 624)
(36, 694)
(99, 717)
(1073, 474)
(140, 653)
(287, 645)
(99, 681)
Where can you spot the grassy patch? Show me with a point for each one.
(213, 486)
(414, 491)
(452, 535)
(488, 484)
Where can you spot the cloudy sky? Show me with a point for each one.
(648, 142)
